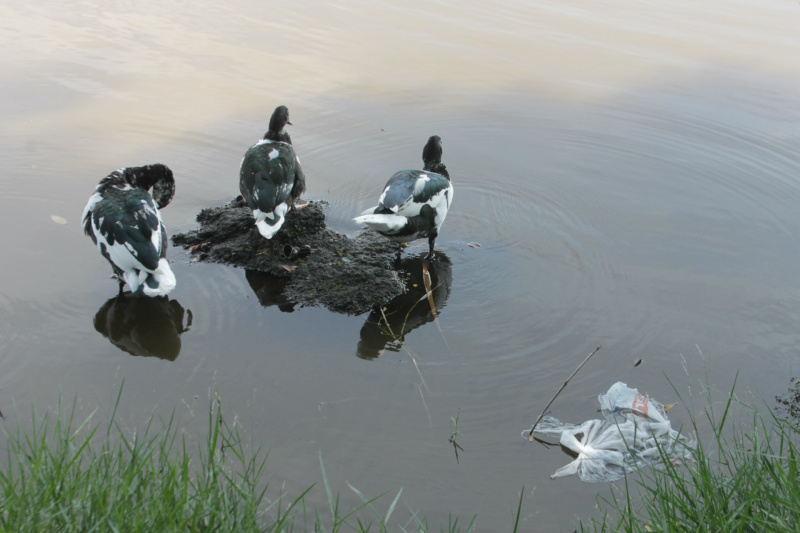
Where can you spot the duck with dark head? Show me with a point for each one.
(270, 177)
(414, 203)
(124, 221)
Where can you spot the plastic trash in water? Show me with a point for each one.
(635, 433)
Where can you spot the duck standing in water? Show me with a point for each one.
(123, 220)
(414, 203)
(271, 178)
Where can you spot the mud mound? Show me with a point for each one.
(346, 275)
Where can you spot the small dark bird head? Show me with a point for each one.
(432, 156)
(432, 153)
(160, 178)
(280, 118)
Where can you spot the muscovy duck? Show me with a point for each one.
(414, 203)
(270, 177)
(123, 220)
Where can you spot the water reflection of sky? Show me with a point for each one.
(204, 65)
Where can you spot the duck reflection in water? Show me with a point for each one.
(269, 289)
(146, 327)
(386, 330)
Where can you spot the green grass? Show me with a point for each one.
(69, 476)
(745, 480)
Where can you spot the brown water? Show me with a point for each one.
(630, 170)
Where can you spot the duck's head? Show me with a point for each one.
(160, 178)
(280, 118)
(432, 153)
(432, 156)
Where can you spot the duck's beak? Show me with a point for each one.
(289, 123)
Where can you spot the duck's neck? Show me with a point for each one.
(279, 136)
(436, 166)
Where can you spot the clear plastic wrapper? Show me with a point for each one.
(635, 433)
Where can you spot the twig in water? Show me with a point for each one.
(530, 434)
(426, 278)
(454, 434)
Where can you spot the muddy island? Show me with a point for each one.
(346, 275)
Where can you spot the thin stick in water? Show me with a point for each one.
(530, 434)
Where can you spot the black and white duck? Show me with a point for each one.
(414, 203)
(271, 178)
(123, 220)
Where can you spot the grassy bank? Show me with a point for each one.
(745, 480)
(69, 476)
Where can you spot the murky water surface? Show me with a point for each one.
(630, 171)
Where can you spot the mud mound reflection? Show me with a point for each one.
(269, 290)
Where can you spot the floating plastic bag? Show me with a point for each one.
(633, 429)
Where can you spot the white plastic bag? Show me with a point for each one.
(629, 437)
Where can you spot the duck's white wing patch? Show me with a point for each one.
(409, 208)
(93, 201)
(122, 255)
(382, 197)
(419, 184)
(155, 236)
